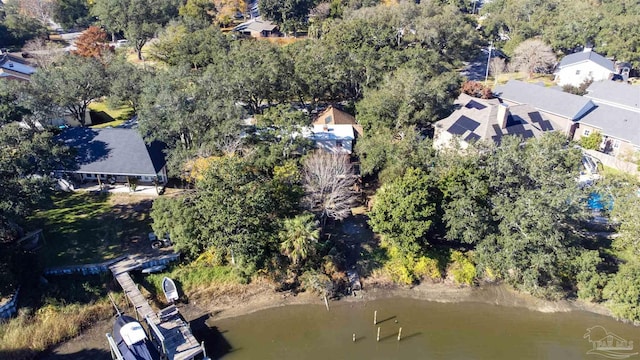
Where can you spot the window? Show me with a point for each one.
(587, 132)
(577, 72)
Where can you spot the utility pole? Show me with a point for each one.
(486, 76)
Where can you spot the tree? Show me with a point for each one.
(92, 43)
(71, 84)
(328, 180)
(497, 66)
(591, 142)
(404, 210)
(43, 52)
(27, 159)
(127, 82)
(288, 13)
(139, 20)
(16, 28)
(199, 48)
(299, 237)
(533, 56)
(623, 292)
(72, 13)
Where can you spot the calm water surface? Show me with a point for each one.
(429, 331)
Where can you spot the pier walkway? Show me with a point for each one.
(171, 332)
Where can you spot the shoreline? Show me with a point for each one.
(226, 302)
(499, 295)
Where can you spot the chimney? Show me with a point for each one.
(503, 115)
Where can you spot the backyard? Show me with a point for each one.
(84, 228)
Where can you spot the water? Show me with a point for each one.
(430, 331)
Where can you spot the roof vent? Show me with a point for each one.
(10, 64)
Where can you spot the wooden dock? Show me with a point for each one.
(172, 332)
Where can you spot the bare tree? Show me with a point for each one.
(328, 184)
(40, 10)
(533, 56)
(497, 66)
(44, 53)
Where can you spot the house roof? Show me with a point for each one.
(477, 119)
(579, 57)
(331, 132)
(333, 116)
(545, 99)
(615, 122)
(615, 93)
(256, 25)
(12, 67)
(114, 151)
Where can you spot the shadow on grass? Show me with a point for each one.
(85, 228)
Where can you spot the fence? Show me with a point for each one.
(612, 161)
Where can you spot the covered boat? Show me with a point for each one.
(130, 340)
(170, 289)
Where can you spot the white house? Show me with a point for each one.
(574, 69)
(334, 131)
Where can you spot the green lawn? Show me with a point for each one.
(106, 116)
(84, 228)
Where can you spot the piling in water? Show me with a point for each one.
(399, 334)
(354, 337)
(378, 337)
(375, 317)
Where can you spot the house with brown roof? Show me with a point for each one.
(334, 131)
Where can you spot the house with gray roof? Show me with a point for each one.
(614, 93)
(617, 118)
(13, 68)
(115, 155)
(258, 27)
(575, 69)
(490, 120)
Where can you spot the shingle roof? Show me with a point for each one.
(615, 93)
(256, 24)
(477, 119)
(615, 122)
(333, 116)
(114, 151)
(586, 56)
(545, 99)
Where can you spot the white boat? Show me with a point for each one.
(130, 342)
(170, 290)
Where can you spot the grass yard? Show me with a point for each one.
(85, 228)
(105, 116)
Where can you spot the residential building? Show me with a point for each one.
(481, 119)
(258, 27)
(115, 155)
(576, 68)
(14, 68)
(334, 131)
(617, 118)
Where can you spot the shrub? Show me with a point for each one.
(427, 267)
(591, 142)
(406, 269)
(623, 292)
(462, 269)
(476, 89)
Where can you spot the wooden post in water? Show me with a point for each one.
(354, 337)
(326, 302)
(378, 337)
(375, 317)
(399, 334)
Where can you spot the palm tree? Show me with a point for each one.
(299, 237)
